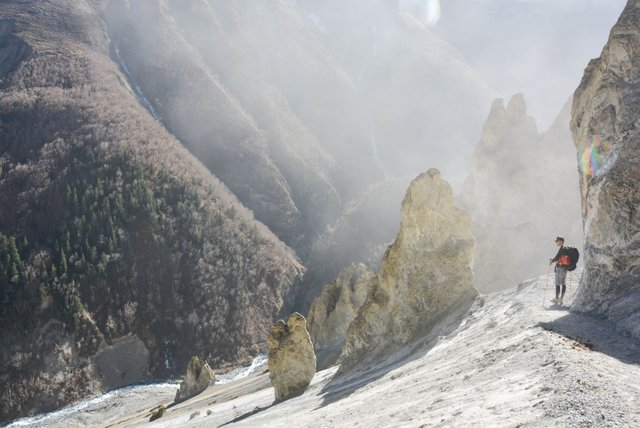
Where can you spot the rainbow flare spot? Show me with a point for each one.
(594, 156)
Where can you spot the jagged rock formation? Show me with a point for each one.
(606, 134)
(199, 377)
(121, 255)
(425, 274)
(292, 362)
(334, 309)
(521, 194)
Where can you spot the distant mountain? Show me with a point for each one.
(425, 103)
(522, 192)
(121, 256)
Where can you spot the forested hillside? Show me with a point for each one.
(110, 229)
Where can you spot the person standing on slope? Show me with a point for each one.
(562, 261)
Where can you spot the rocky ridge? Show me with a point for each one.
(425, 275)
(606, 135)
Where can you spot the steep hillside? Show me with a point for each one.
(605, 131)
(522, 192)
(260, 113)
(510, 362)
(120, 255)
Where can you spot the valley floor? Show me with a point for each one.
(511, 362)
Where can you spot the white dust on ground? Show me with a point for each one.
(511, 362)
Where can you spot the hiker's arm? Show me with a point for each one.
(557, 257)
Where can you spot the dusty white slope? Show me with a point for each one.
(511, 362)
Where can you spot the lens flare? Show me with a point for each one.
(427, 12)
(594, 156)
(433, 12)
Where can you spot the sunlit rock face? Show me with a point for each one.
(333, 311)
(521, 193)
(605, 131)
(424, 276)
(292, 362)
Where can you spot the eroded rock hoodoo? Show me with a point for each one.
(292, 362)
(198, 378)
(605, 131)
(333, 311)
(425, 274)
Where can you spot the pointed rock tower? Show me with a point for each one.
(425, 274)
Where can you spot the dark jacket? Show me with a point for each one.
(561, 252)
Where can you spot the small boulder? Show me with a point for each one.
(157, 413)
(198, 378)
(292, 361)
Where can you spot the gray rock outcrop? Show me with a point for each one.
(521, 194)
(605, 132)
(292, 362)
(425, 274)
(198, 378)
(333, 311)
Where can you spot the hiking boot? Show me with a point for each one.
(560, 301)
(554, 301)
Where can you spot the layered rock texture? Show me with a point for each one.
(335, 308)
(120, 254)
(425, 275)
(292, 362)
(605, 131)
(521, 193)
(199, 377)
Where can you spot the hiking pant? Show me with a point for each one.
(561, 279)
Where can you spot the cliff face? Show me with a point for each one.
(606, 134)
(120, 254)
(521, 194)
(425, 275)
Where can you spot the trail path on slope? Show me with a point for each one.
(511, 362)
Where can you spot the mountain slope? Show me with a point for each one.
(511, 362)
(120, 255)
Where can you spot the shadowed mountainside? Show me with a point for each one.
(115, 241)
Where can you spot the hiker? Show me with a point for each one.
(562, 261)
